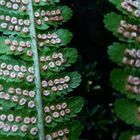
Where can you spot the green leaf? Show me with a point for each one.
(54, 19)
(63, 38)
(17, 51)
(20, 8)
(118, 52)
(118, 5)
(61, 58)
(127, 111)
(62, 88)
(115, 24)
(119, 80)
(115, 18)
(74, 128)
(74, 104)
(6, 27)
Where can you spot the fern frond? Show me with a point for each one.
(126, 79)
(33, 76)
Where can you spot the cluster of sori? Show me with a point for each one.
(48, 16)
(16, 71)
(58, 135)
(55, 60)
(13, 123)
(50, 38)
(56, 111)
(18, 96)
(134, 80)
(131, 6)
(131, 31)
(19, 92)
(135, 137)
(21, 99)
(14, 4)
(135, 53)
(14, 128)
(132, 57)
(53, 86)
(14, 24)
(133, 84)
(18, 119)
(19, 46)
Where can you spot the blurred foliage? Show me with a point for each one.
(91, 39)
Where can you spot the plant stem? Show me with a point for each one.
(37, 72)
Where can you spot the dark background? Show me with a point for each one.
(92, 39)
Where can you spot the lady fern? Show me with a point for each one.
(33, 77)
(126, 54)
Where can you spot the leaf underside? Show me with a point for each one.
(34, 81)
